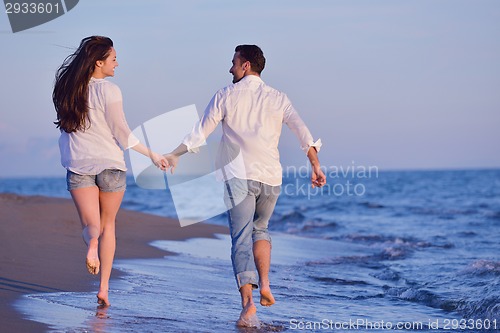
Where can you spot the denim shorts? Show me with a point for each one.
(109, 180)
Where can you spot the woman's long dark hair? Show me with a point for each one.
(70, 95)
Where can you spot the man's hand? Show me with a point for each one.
(173, 157)
(318, 178)
(172, 161)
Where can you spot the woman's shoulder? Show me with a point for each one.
(105, 84)
(108, 88)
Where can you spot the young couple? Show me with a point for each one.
(94, 133)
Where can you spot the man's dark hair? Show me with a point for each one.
(254, 55)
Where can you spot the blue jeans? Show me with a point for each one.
(250, 205)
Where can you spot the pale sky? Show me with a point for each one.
(393, 84)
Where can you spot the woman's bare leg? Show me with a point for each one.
(87, 204)
(109, 205)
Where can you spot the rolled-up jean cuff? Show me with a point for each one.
(248, 277)
(261, 235)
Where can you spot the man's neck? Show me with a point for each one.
(252, 73)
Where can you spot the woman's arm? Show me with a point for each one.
(115, 118)
(157, 159)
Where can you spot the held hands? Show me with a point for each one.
(172, 160)
(160, 161)
(173, 157)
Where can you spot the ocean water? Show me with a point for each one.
(371, 251)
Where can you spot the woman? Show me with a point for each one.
(93, 133)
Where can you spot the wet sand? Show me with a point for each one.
(42, 249)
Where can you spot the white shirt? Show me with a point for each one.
(252, 114)
(97, 148)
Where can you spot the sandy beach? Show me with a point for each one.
(42, 249)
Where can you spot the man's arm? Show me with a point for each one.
(200, 132)
(296, 124)
(318, 178)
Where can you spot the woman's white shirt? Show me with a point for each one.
(100, 146)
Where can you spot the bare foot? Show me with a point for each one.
(102, 298)
(266, 297)
(248, 316)
(93, 257)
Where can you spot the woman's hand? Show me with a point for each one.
(160, 161)
(157, 159)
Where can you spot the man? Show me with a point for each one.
(252, 115)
